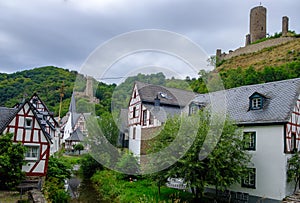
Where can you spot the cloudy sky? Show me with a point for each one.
(64, 33)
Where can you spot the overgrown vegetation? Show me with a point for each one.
(58, 172)
(224, 165)
(293, 172)
(11, 161)
(113, 188)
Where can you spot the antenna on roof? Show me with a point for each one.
(260, 3)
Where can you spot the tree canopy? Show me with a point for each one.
(225, 165)
(11, 161)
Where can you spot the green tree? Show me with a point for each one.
(109, 128)
(225, 165)
(58, 172)
(11, 161)
(88, 166)
(79, 147)
(293, 172)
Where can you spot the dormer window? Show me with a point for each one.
(194, 107)
(256, 101)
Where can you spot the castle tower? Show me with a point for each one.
(89, 87)
(285, 26)
(258, 16)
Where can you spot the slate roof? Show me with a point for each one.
(6, 114)
(163, 112)
(167, 96)
(281, 97)
(77, 136)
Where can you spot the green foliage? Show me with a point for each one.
(54, 191)
(114, 189)
(89, 166)
(109, 128)
(240, 77)
(58, 172)
(128, 162)
(11, 161)
(225, 165)
(57, 168)
(46, 81)
(293, 172)
(79, 147)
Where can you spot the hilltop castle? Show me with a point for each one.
(258, 31)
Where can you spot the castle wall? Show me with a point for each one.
(256, 47)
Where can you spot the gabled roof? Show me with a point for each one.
(281, 97)
(162, 113)
(167, 96)
(6, 115)
(77, 135)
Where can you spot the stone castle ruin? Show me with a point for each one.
(258, 30)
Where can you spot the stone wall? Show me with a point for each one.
(36, 196)
(255, 47)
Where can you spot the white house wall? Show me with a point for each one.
(135, 144)
(269, 160)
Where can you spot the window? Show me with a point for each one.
(256, 101)
(249, 180)
(151, 120)
(133, 133)
(145, 117)
(134, 112)
(193, 109)
(32, 152)
(250, 140)
(293, 142)
(28, 123)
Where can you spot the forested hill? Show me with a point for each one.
(46, 81)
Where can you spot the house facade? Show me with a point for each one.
(74, 129)
(149, 107)
(27, 128)
(269, 116)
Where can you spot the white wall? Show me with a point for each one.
(270, 163)
(135, 144)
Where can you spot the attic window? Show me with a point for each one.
(28, 123)
(256, 101)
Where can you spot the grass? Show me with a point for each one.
(12, 197)
(272, 56)
(113, 188)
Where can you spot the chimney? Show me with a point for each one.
(156, 103)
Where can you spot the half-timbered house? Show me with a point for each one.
(149, 107)
(75, 128)
(25, 123)
(50, 124)
(269, 115)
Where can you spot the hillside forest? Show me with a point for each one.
(50, 83)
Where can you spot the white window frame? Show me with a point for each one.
(30, 153)
(250, 180)
(256, 103)
(25, 123)
(251, 144)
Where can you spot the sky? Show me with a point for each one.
(66, 33)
